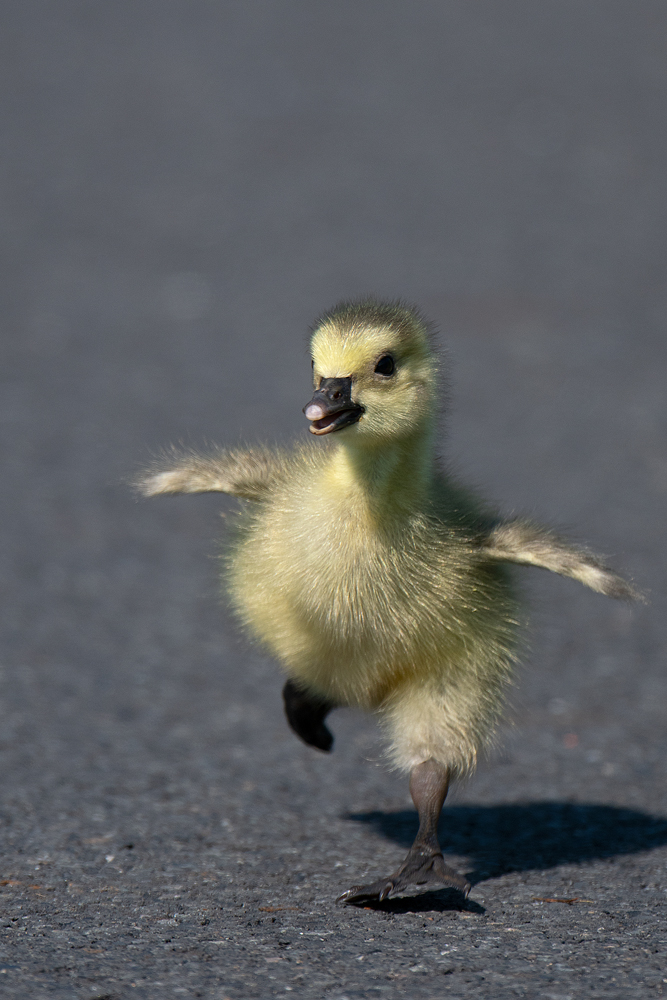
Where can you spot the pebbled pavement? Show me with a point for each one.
(185, 186)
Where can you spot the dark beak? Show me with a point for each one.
(331, 407)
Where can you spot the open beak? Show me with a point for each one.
(331, 407)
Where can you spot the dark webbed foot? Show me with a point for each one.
(418, 870)
(306, 714)
(424, 865)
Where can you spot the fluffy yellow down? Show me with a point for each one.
(359, 567)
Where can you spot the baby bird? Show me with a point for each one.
(372, 576)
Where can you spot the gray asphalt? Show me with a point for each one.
(185, 186)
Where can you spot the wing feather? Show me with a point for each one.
(242, 473)
(532, 545)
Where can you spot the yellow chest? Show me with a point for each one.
(350, 607)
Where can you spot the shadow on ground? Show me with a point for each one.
(533, 835)
(439, 901)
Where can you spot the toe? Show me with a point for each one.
(386, 889)
(323, 739)
(358, 893)
(443, 873)
(351, 895)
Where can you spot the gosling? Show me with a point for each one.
(373, 577)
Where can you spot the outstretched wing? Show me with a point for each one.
(242, 473)
(531, 545)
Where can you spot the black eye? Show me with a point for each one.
(385, 365)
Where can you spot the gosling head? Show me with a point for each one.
(374, 373)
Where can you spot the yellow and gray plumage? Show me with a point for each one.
(373, 577)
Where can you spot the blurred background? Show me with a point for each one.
(185, 186)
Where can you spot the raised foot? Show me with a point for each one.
(306, 714)
(419, 869)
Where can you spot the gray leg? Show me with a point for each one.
(306, 714)
(424, 864)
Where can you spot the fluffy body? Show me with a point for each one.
(400, 615)
(374, 578)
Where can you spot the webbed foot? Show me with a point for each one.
(306, 714)
(419, 869)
